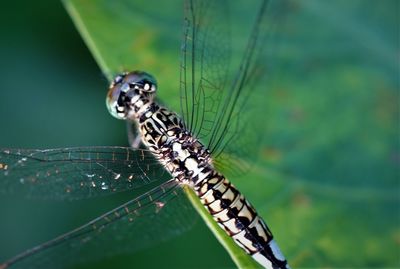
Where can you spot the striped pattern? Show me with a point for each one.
(190, 163)
(238, 218)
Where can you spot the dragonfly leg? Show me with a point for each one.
(134, 138)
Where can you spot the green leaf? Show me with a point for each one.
(121, 42)
(327, 181)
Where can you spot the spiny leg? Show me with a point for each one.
(134, 138)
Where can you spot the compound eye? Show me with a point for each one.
(142, 81)
(117, 100)
(118, 79)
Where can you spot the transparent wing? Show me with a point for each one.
(205, 55)
(155, 216)
(221, 104)
(244, 89)
(75, 173)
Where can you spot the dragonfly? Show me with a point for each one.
(166, 150)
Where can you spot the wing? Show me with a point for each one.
(76, 173)
(218, 105)
(205, 55)
(155, 216)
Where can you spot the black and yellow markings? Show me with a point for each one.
(189, 162)
(230, 212)
(234, 214)
(260, 230)
(207, 185)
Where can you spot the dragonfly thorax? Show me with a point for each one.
(184, 156)
(131, 97)
(131, 94)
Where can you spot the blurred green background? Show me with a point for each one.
(331, 154)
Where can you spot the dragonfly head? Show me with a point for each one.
(129, 92)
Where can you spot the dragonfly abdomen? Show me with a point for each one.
(189, 162)
(238, 218)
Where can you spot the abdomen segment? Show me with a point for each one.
(238, 218)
